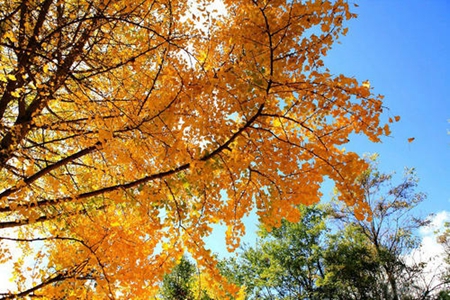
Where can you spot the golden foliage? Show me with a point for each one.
(128, 129)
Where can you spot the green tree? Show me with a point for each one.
(444, 240)
(182, 282)
(391, 230)
(305, 260)
(178, 284)
(286, 261)
(352, 268)
(331, 254)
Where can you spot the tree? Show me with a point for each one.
(444, 239)
(391, 230)
(286, 262)
(305, 260)
(352, 269)
(180, 284)
(129, 128)
(331, 254)
(185, 282)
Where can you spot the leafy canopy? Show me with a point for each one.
(127, 129)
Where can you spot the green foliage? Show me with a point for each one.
(305, 260)
(444, 240)
(352, 266)
(444, 295)
(182, 283)
(178, 284)
(331, 254)
(285, 262)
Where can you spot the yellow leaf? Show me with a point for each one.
(202, 56)
(366, 84)
(241, 294)
(386, 129)
(115, 224)
(15, 94)
(277, 123)
(10, 35)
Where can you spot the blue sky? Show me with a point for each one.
(403, 48)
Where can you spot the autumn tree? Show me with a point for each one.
(127, 129)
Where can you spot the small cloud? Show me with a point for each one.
(437, 223)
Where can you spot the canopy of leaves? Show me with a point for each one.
(129, 128)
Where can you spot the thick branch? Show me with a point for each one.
(142, 180)
(50, 168)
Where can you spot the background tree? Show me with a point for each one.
(391, 230)
(305, 260)
(127, 129)
(180, 284)
(352, 269)
(330, 254)
(444, 240)
(286, 262)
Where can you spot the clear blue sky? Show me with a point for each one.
(403, 48)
